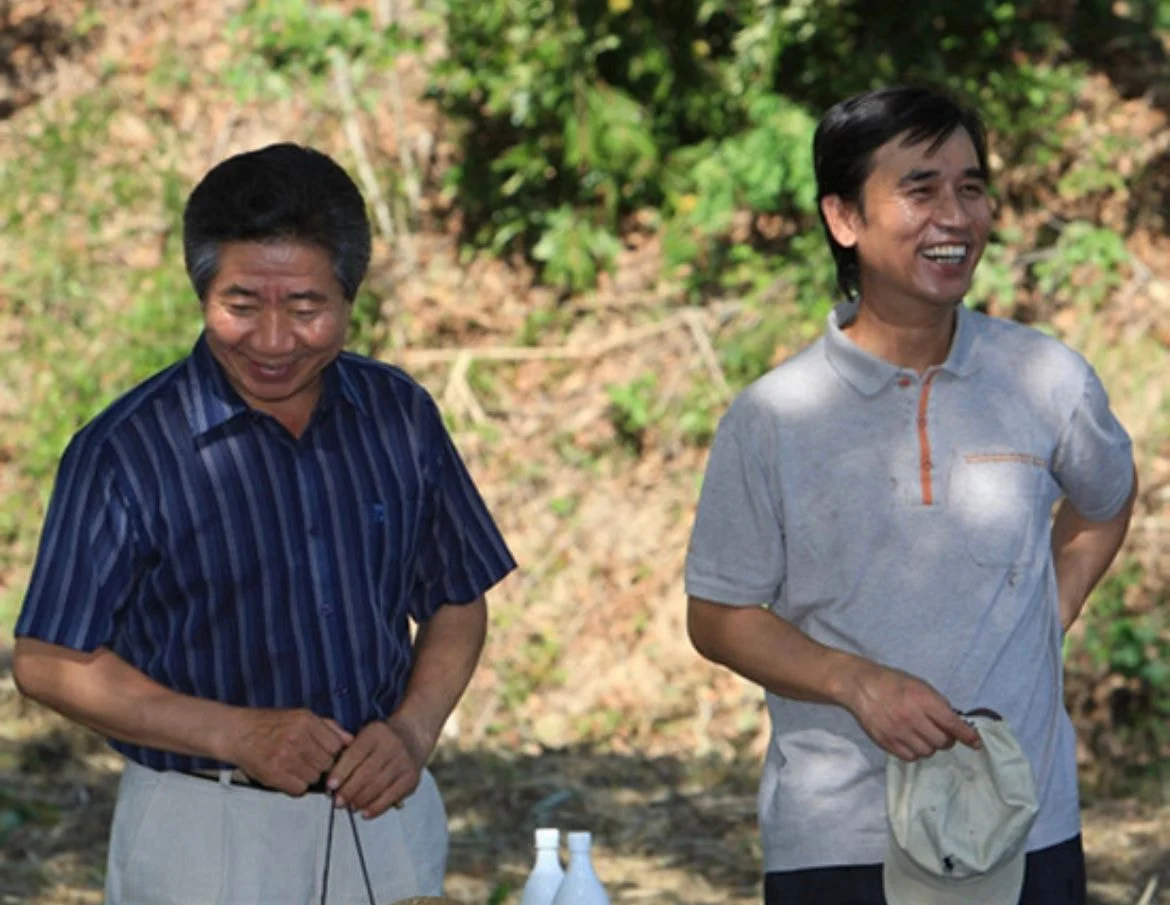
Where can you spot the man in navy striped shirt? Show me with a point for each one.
(232, 560)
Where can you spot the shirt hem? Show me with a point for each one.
(775, 861)
(728, 594)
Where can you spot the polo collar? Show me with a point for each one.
(212, 401)
(869, 374)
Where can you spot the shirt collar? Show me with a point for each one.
(340, 375)
(212, 401)
(870, 374)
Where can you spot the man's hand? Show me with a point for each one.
(287, 750)
(903, 715)
(380, 768)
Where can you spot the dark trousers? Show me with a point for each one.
(1052, 876)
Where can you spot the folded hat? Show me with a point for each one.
(959, 821)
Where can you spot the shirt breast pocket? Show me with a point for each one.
(994, 500)
(391, 529)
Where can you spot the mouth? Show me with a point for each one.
(952, 253)
(265, 371)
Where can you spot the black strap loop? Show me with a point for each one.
(329, 853)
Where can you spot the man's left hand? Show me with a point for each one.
(379, 768)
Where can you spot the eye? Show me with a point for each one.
(242, 310)
(973, 189)
(921, 192)
(305, 314)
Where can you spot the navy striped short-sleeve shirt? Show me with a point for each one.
(224, 558)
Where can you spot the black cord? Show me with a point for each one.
(361, 858)
(329, 854)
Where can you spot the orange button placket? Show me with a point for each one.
(925, 465)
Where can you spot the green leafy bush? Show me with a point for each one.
(1128, 651)
(1085, 265)
(574, 115)
(285, 44)
(633, 408)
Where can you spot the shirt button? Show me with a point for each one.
(904, 382)
(341, 691)
(327, 610)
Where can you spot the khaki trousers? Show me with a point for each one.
(183, 840)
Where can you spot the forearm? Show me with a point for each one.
(771, 652)
(102, 691)
(446, 651)
(902, 714)
(1082, 551)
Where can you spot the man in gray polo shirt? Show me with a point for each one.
(874, 542)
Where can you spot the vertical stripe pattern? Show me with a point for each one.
(222, 557)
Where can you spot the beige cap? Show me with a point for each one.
(428, 900)
(959, 821)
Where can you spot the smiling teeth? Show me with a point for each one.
(946, 252)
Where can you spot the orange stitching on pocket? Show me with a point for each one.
(1024, 458)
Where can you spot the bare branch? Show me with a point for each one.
(458, 394)
(343, 85)
(542, 353)
(1147, 896)
(707, 351)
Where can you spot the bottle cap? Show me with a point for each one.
(580, 841)
(548, 837)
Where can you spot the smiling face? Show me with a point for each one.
(275, 317)
(922, 225)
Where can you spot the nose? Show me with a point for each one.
(952, 210)
(275, 335)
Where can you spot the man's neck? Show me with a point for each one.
(918, 341)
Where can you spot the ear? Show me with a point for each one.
(842, 218)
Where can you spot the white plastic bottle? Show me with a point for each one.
(580, 886)
(545, 878)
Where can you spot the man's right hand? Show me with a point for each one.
(287, 750)
(904, 715)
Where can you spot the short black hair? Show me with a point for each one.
(282, 192)
(850, 132)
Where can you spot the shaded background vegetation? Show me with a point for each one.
(595, 222)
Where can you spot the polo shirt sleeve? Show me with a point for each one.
(86, 563)
(461, 551)
(1093, 463)
(736, 551)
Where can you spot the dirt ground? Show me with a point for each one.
(674, 829)
(590, 710)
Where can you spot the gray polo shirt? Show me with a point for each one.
(906, 518)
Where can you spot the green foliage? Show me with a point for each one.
(700, 414)
(1084, 265)
(633, 408)
(534, 665)
(283, 44)
(366, 325)
(1133, 645)
(573, 250)
(540, 323)
(564, 506)
(573, 116)
(996, 277)
(1096, 171)
(770, 329)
